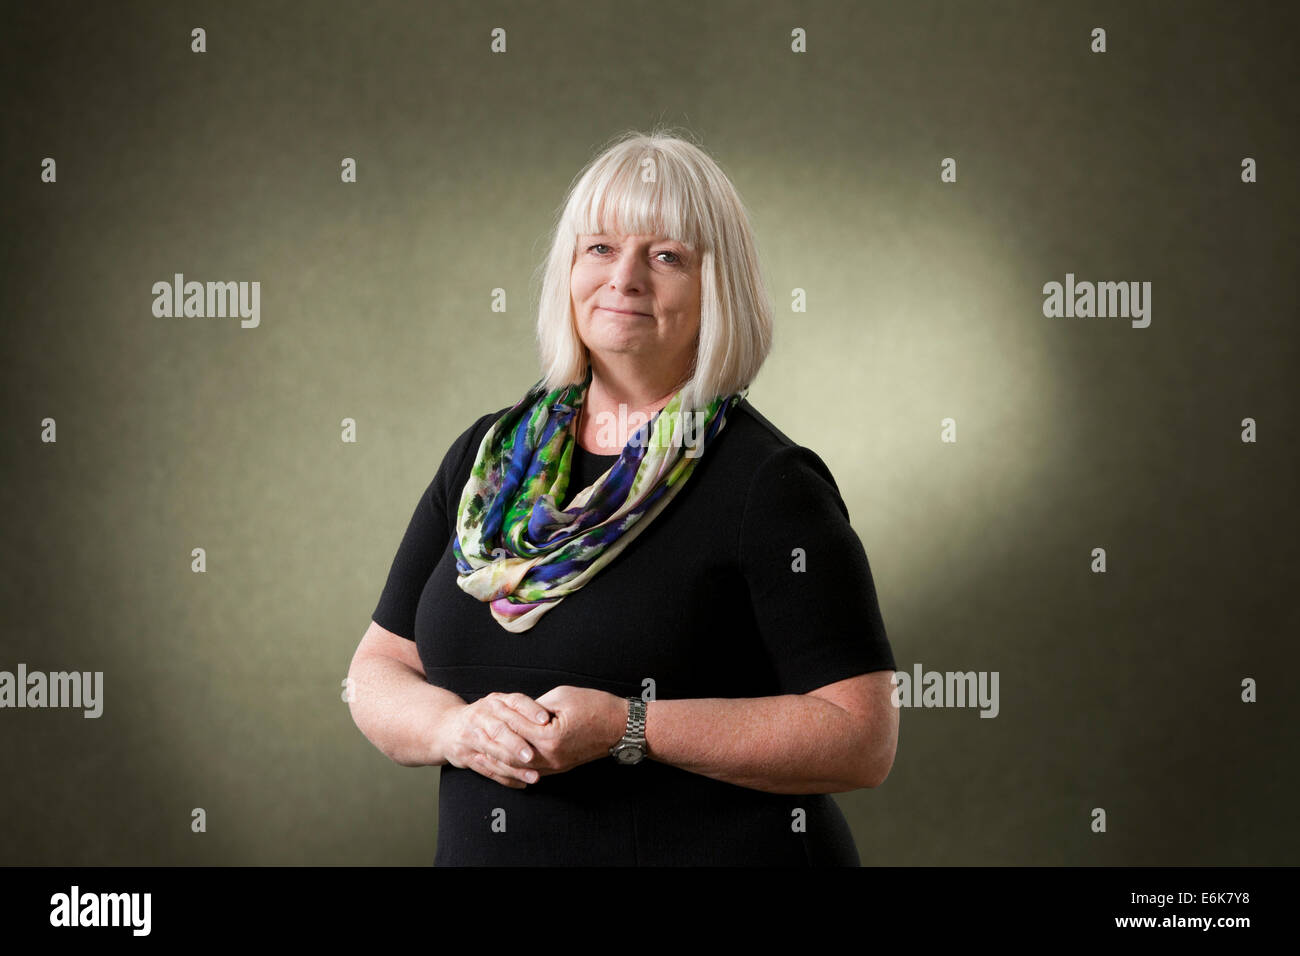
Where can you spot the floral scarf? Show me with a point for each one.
(515, 549)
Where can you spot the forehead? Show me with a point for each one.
(634, 237)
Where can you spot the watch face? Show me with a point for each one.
(629, 755)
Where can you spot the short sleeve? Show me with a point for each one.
(810, 585)
(427, 535)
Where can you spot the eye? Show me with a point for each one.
(675, 261)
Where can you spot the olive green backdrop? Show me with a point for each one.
(223, 689)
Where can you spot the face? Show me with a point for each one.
(637, 296)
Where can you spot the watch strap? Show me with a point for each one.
(636, 711)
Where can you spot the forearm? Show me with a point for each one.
(399, 711)
(789, 744)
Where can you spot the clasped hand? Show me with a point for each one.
(514, 739)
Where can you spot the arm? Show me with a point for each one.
(413, 722)
(417, 724)
(392, 703)
(818, 618)
(839, 737)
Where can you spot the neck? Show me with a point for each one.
(619, 401)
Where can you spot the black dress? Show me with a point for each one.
(706, 602)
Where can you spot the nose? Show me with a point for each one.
(628, 273)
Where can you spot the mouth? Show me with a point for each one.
(643, 315)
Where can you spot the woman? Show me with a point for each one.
(629, 617)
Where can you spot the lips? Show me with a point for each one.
(623, 311)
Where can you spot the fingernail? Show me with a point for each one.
(541, 718)
(526, 754)
(532, 776)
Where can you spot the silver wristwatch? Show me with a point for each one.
(632, 748)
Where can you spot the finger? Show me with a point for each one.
(520, 711)
(507, 745)
(512, 777)
(483, 764)
(495, 738)
(528, 708)
(512, 767)
(523, 722)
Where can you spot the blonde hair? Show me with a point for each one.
(690, 200)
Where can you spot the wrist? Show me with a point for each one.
(618, 720)
(436, 733)
(631, 748)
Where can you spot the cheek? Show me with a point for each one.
(582, 284)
